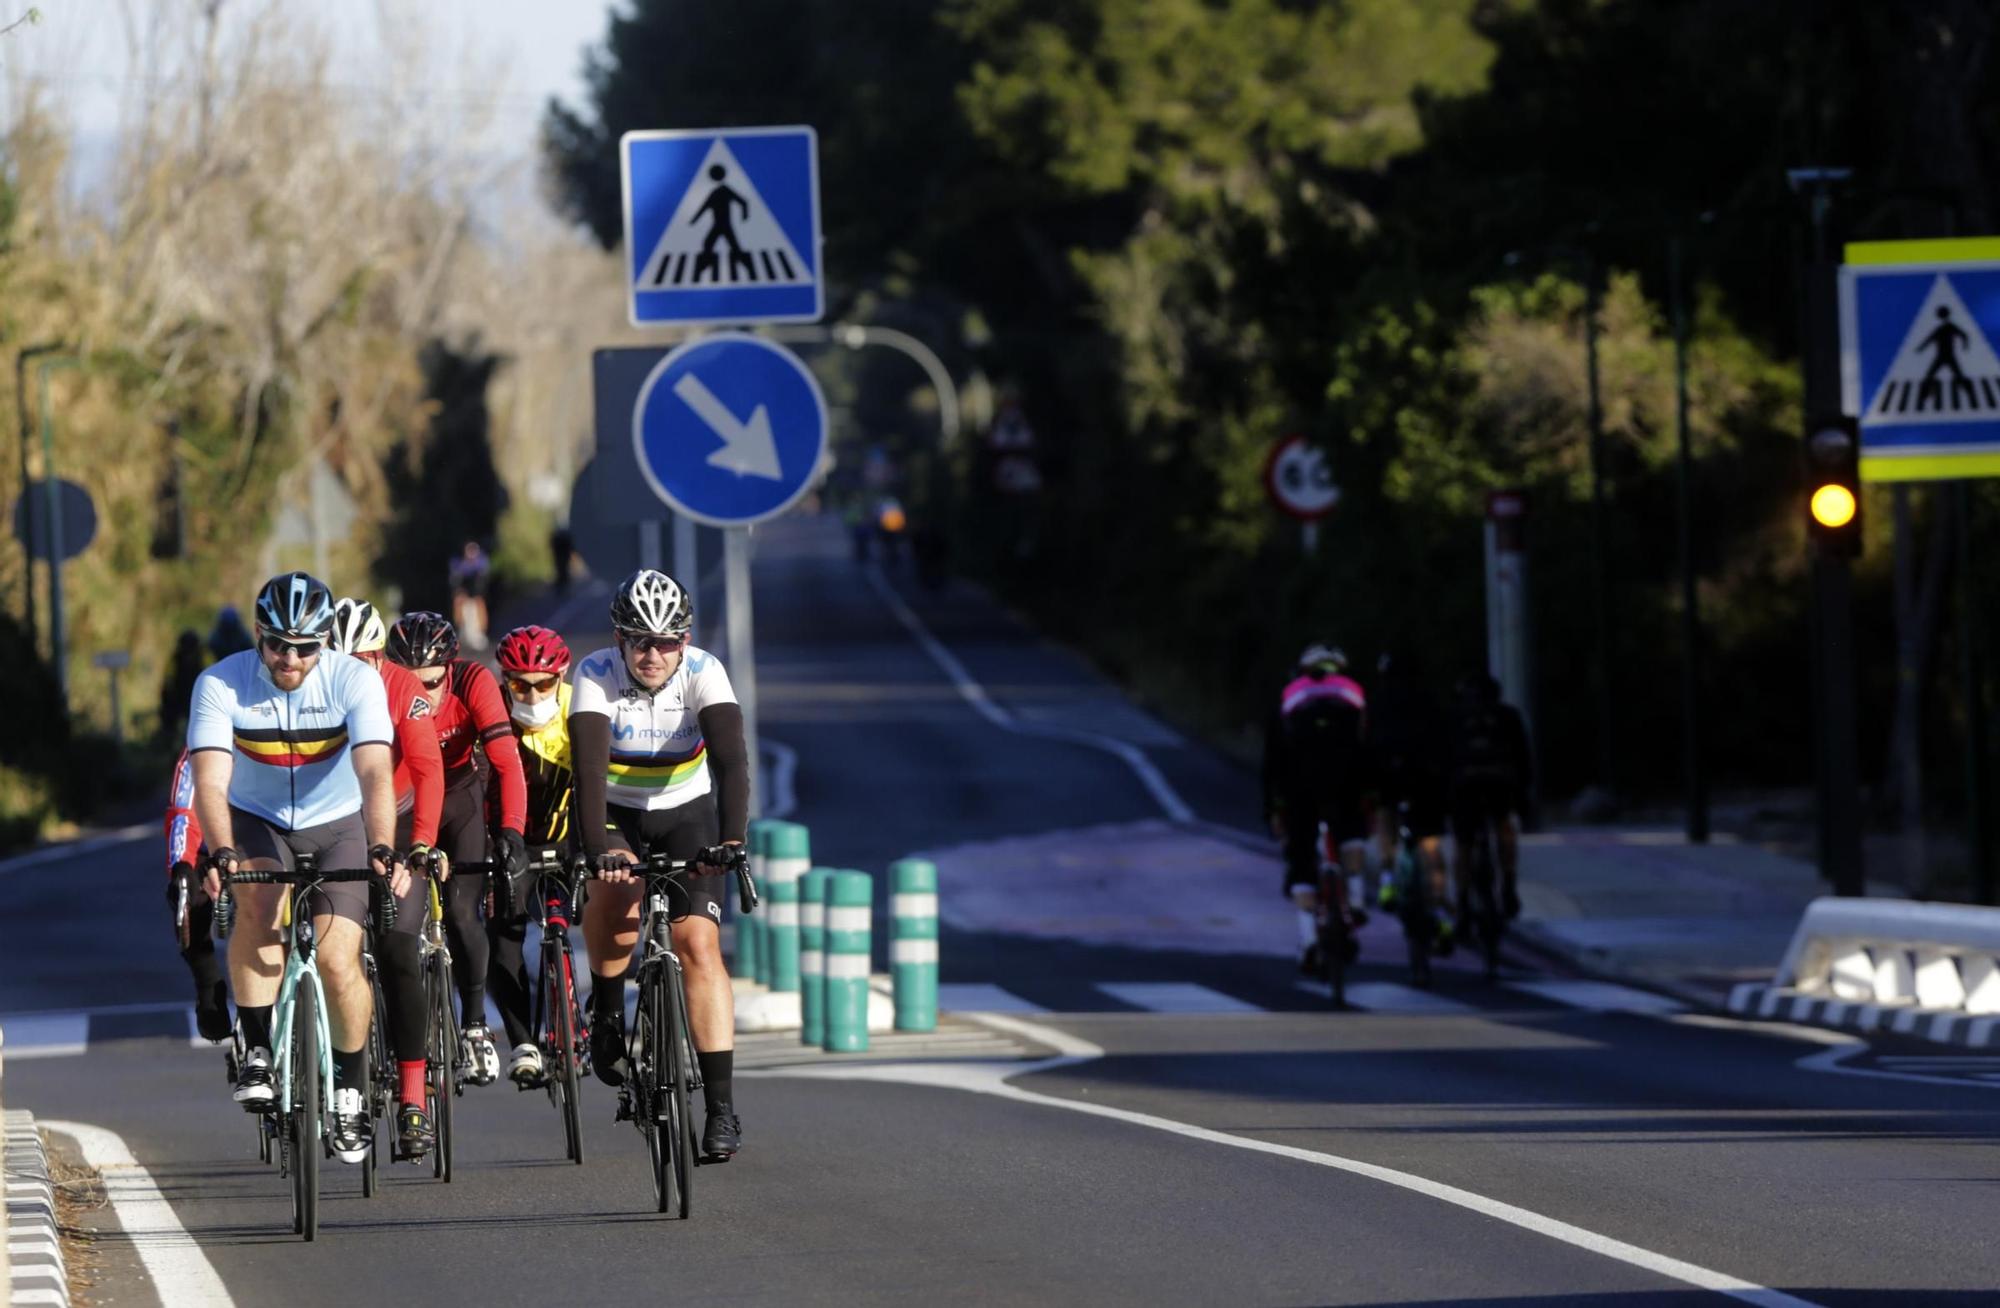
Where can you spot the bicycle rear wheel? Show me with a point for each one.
(441, 1052)
(304, 1124)
(373, 1078)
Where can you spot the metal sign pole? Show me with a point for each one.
(742, 652)
(649, 543)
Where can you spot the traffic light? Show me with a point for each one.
(1833, 485)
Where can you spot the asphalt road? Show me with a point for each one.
(1521, 1143)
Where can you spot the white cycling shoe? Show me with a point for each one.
(524, 1066)
(352, 1135)
(478, 1056)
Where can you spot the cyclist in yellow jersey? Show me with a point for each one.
(533, 663)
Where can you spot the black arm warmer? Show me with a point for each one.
(722, 728)
(590, 754)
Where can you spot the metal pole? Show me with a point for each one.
(687, 562)
(1697, 782)
(117, 718)
(742, 654)
(649, 543)
(1978, 837)
(1309, 538)
(854, 337)
(58, 654)
(1606, 758)
(30, 510)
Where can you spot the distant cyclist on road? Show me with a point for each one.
(650, 720)
(1491, 769)
(471, 720)
(1314, 773)
(533, 661)
(357, 630)
(291, 754)
(1407, 746)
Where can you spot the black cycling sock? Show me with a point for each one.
(256, 1026)
(507, 978)
(607, 997)
(716, 1071)
(350, 1069)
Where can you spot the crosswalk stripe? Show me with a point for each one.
(1174, 997)
(1596, 996)
(1388, 997)
(45, 1035)
(978, 997)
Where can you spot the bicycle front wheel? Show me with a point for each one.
(441, 1075)
(680, 1077)
(646, 1068)
(304, 1124)
(565, 1072)
(375, 1079)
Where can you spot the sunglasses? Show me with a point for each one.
(656, 644)
(523, 687)
(432, 683)
(305, 649)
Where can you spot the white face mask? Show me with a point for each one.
(538, 714)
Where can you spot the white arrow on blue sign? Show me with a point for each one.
(729, 429)
(722, 225)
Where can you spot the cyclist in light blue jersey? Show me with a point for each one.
(290, 746)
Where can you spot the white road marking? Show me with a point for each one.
(1174, 997)
(977, 997)
(975, 696)
(181, 1274)
(1388, 997)
(1835, 1059)
(46, 1035)
(1597, 996)
(994, 1079)
(75, 848)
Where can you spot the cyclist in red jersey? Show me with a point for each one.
(471, 718)
(194, 912)
(357, 629)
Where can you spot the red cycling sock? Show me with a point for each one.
(411, 1075)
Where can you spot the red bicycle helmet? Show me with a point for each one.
(532, 649)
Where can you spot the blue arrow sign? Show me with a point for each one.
(1918, 323)
(722, 225)
(729, 429)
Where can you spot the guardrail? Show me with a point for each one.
(1926, 970)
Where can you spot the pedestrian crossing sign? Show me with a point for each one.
(1918, 323)
(722, 226)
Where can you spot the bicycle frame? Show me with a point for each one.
(299, 963)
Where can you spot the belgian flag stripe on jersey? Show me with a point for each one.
(291, 749)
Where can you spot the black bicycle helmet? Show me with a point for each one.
(295, 605)
(423, 640)
(650, 603)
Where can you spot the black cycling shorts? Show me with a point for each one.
(679, 832)
(340, 844)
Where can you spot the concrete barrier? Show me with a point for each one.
(1926, 970)
(812, 955)
(749, 963)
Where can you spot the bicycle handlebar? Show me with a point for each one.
(731, 857)
(284, 877)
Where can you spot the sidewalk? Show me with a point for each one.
(1647, 907)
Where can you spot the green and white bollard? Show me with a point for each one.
(785, 861)
(812, 955)
(913, 942)
(749, 926)
(850, 904)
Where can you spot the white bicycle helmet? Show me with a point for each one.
(357, 628)
(1318, 657)
(650, 603)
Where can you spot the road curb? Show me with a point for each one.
(37, 1272)
(1771, 1003)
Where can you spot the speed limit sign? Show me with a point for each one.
(1299, 479)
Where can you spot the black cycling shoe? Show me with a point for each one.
(607, 1050)
(211, 1012)
(414, 1136)
(256, 1089)
(721, 1138)
(1310, 962)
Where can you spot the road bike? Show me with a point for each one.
(444, 1077)
(1337, 946)
(1479, 900)
(558, 1018)
(1413, 900)
(662, 1072)
(301, 1039)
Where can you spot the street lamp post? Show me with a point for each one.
(1696, 781)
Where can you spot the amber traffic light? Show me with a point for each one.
(1833, 485)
